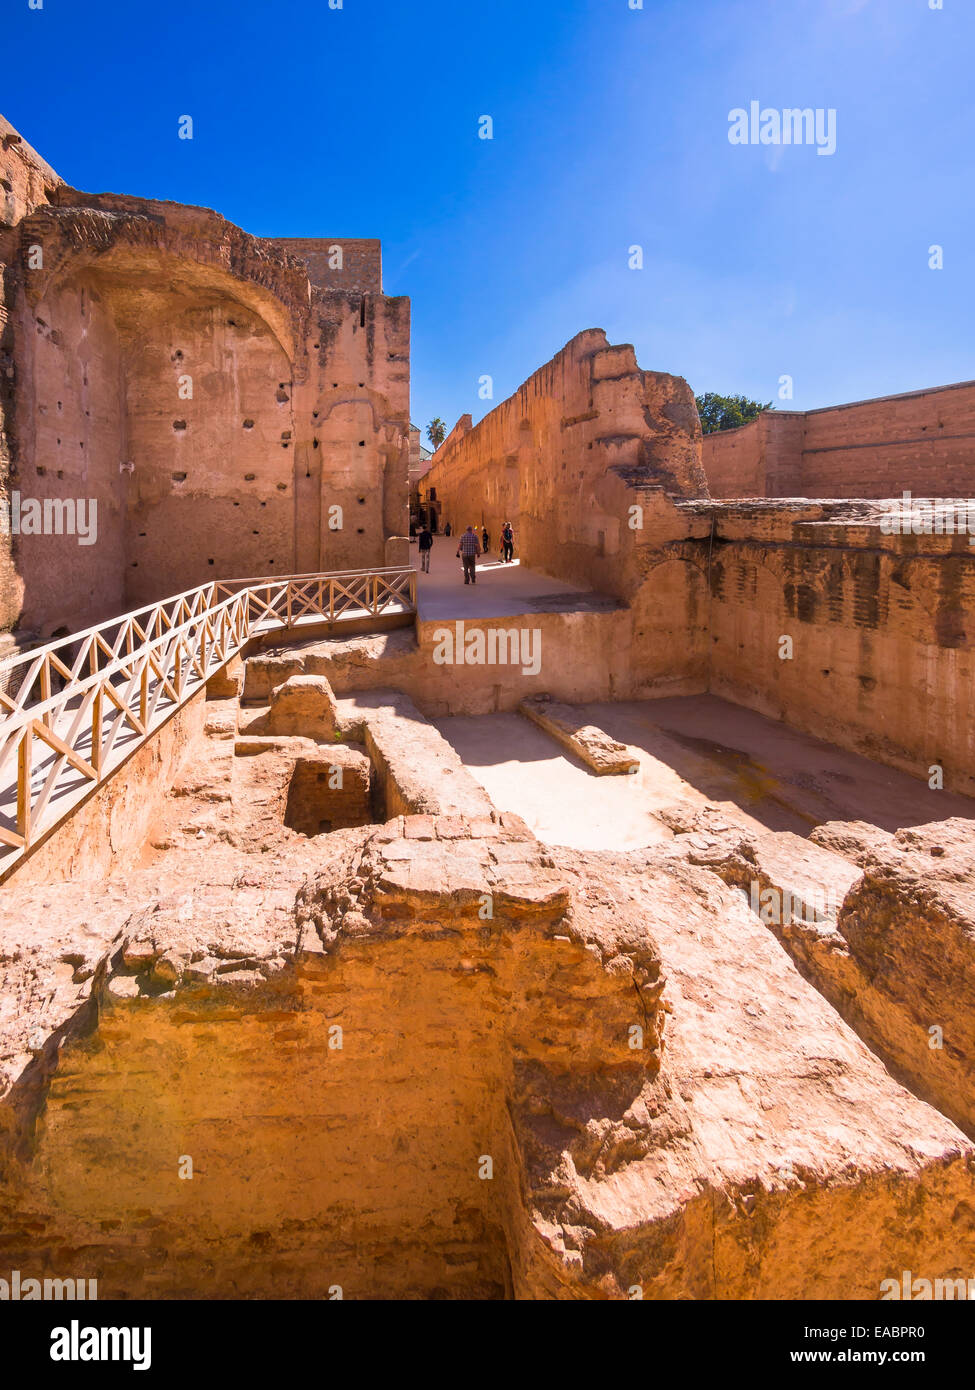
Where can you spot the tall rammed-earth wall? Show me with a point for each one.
(921, 442)
(566, 457)
(233, 406)
(26, 182)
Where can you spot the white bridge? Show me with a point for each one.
(73, 710)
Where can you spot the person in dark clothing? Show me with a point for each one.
(426, 545)
(446, 529)
(468, 549)
(485, 540)
(507, 542)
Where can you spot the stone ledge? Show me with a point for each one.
(603, 755)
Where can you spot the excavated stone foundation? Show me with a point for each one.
(436, 1058)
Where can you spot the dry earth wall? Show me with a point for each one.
(921, 442)
(229, 408)
(566, 457)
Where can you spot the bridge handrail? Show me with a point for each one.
(7, 663)
(164, 652)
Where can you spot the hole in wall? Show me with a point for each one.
(41, 472)
(362, 443)
(361, 530)
(248, 424)
(209, 562)
(314, 807)
(179, 425)
(281, 395)
(177, 356)
(285, 434)
(249, 477)
(282, 487)
(178, 477)
(314, 444)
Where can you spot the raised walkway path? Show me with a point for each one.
(501, 591)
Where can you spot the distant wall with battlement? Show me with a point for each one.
(922, 442)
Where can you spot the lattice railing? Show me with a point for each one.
(70, 710)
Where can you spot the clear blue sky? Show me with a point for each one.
(610, 129)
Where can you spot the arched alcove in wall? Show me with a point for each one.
(670, 626)
(158, 397)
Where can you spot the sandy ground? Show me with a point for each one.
(692, 751)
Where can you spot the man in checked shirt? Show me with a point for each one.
(468, 549)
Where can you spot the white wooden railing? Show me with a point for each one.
(70, 711)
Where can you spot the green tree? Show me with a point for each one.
(436, 432)
(727, 412)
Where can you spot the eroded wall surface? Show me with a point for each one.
(881, 629)
(232, 406)
(26, 182)
(566, 457)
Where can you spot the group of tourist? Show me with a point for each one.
(469, 547)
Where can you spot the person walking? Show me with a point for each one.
(485, 540)
(446, 529)
(426, 546)
(468, 549)
(507, 542)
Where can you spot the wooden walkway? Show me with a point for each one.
(73, 710)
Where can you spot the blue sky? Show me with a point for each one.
(610, 130)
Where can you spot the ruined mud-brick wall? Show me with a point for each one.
(232, 416)
(25, 182)
(338, 264)
(566, 457)
(922, 442)
(882, 630)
